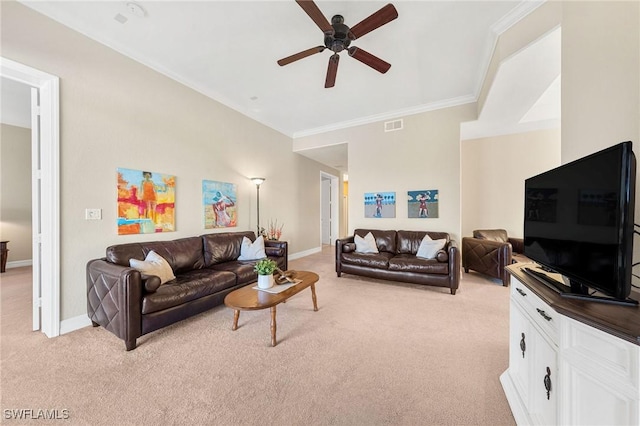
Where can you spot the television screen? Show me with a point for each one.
(579, 220)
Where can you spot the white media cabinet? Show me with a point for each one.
(571, 362)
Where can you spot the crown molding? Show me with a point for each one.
(446, 103)
(515, 15)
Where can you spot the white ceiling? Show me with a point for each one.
(227, 50)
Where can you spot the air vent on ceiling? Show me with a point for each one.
(391, 126)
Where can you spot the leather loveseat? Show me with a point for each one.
(206, 268)
(397, 260)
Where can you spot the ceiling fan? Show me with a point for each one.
(338, 37)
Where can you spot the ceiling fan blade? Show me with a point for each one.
(369, 59)
(378, 19)
(315, 14)
(332, 70)
(300, 55)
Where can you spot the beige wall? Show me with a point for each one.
(493, 174)
(601, 80)
(116, 113)
(424, 155)
(600, 76)
(15, 191)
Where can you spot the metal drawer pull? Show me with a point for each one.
(523, 345)
(547, 382)
(544, 314)
(519, 290)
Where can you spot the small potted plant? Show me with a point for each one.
(265, 268)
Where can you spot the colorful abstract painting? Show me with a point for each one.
(423, 204)
(380, 204)
(146, 202)
(219, 201)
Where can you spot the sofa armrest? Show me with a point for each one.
(517, 245)
(341, 248)
(278, 249)
(114, 299)
(487, 257)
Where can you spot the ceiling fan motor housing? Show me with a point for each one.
(338, 39)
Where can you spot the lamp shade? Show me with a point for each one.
(257, 180)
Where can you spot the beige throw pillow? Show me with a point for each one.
(366, 244)
(252, 251)
(154, 264)
(429, 248)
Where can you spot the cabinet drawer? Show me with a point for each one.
(542, 314)
(604, 356)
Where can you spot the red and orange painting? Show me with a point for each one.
(146, 202)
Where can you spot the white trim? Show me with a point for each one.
(305, 253)
(19, 263)
(48, 86)
(75, 323)
(335, 207)
(446, 103)
(515, 15)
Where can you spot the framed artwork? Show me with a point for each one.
(423, 204)
(146, 202)
(380, 204)
(219, 203)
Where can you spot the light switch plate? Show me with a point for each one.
(93, 214)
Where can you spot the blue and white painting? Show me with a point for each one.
(380, 204)
(219, 201)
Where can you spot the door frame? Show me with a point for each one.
(49, 200)
(335, 206)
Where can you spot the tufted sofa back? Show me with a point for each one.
(183, 254)
(408, 242)
(385, 240)
(224, 246)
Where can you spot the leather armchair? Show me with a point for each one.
(489, 252)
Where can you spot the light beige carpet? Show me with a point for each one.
(376, 353)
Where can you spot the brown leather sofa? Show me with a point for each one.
(397, 259)
(130, 304)
(489, 252)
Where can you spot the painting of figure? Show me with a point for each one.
(219, 201)
(380, 204)
(146, 202)
(422, 204)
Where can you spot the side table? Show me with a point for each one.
(4, 252)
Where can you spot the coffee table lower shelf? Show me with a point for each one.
(249, 299)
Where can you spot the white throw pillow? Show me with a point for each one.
(366, 244)
(429, 248)
(154, 264)
(252, 251)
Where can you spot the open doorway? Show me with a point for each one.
(329, 211)
(45, 173)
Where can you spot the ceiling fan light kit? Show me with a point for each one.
(338, 37)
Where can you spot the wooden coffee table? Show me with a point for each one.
(249, 299)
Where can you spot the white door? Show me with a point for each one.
(325, 210)
(35, 205)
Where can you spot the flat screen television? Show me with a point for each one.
(579, 222)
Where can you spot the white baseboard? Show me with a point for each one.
(19, 263)
(73, 324)
(305, 253)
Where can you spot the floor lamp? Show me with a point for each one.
(258, 181)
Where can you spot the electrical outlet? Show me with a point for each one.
(93, 214)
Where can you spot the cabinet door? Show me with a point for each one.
(520, 351)
(594, 402)
(544, 382)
